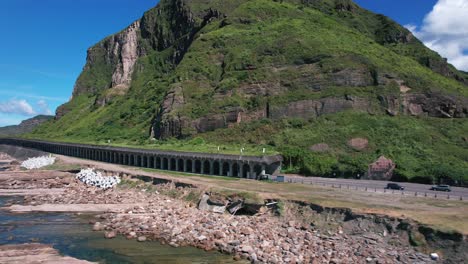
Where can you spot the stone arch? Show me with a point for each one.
(145, 161)
(138, 161)
(151, 162)
(189, 165)
(245, 170)
(158, 163)
(206, 167)
(216, 168)
(257, 170)
(165, 164)
(180, 165)
(235, 169)
(173, 165)
(132, 160)
(225, 169)
(198, 165)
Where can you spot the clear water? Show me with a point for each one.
(2, 166)
(72, 236)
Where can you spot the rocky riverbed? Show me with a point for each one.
(144, 212)
(262, 238)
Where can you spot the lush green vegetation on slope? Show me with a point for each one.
(263, 53)
(428, 148)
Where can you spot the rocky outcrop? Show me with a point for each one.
(358, 143)
(430, 104)
(126, 50)
(314, 108)
(110, 63)
(168, 123)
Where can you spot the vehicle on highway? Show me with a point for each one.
(394, 186)
(441, 188)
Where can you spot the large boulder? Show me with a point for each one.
(206, 206)
(320, 147)
(358, 143)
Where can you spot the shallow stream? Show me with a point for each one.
(72, 236)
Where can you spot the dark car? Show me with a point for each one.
(394, 186)
(441, 188)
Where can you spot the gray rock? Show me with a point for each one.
(110, 234)
(98, 227)
(203, 205)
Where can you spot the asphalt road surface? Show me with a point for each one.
(410, 188)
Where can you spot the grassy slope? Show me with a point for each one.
(278, 35)
(421, 147)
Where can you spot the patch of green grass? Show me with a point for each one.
(421, 147)
(62, 167)
(176, 173)
(249, 197)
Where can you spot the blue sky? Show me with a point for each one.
(44, 43)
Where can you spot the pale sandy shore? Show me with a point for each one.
(35, 254)
(71, 208)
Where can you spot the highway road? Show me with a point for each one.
(378, 186)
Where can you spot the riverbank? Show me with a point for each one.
(261, 238)
(145, 214)
(167, 210)
(35, 253)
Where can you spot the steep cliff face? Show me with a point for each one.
(223, 63)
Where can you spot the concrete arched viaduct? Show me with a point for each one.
(191, 162)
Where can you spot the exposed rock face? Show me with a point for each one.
(168, 123)
(358, 143)
(126, 49)
(431, 104)
(315, 108)
(182, 46)
(61, 111)
(112, 61)
(382, 169)
(117, 55)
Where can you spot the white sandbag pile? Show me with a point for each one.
(93, 178)
(38, 162)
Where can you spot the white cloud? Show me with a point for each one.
(14, 106)
(445, 30)
(43, 108)
(8, 119)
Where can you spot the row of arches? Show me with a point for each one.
(233, 168)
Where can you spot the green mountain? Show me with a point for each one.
(302, 77)
(25, 126)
